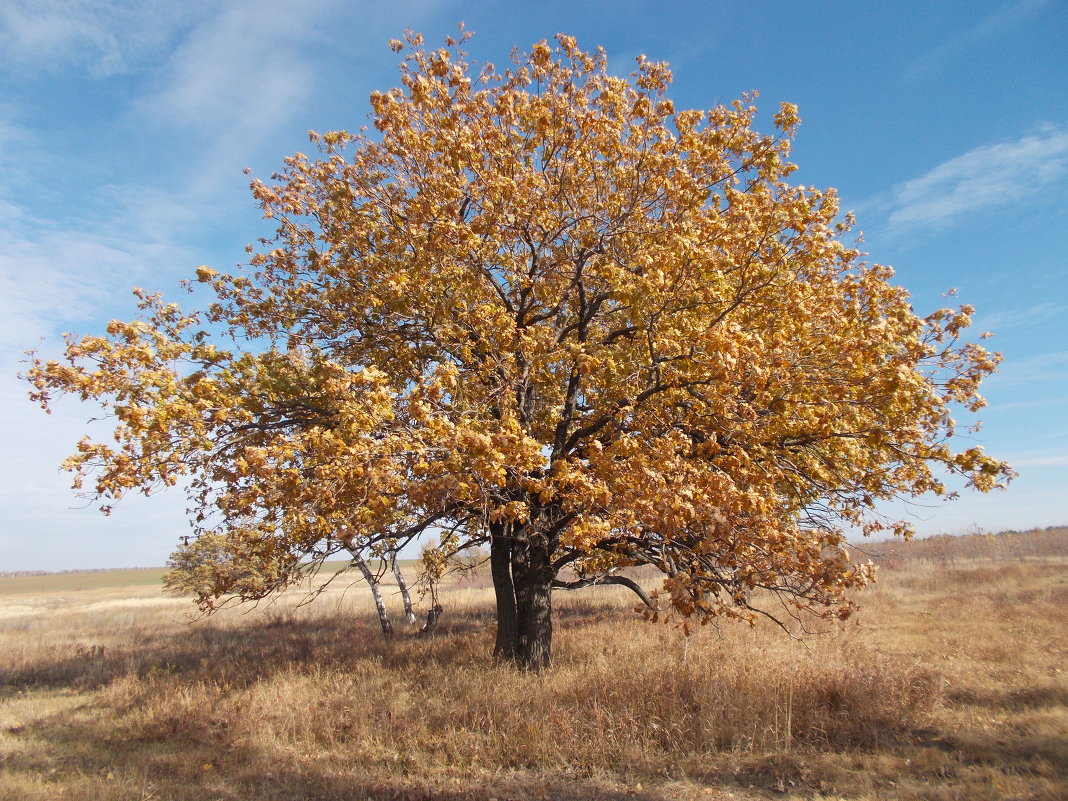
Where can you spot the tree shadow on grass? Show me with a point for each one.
(224, 652)
(141, 737)
(1027, 755)
(185, 759)
(1020, 751)
(191, 766)
(1013, 700)
(79, 758)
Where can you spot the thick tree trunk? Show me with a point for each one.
(406, 597)
(501, 572)
(376, 591)
(532, 577)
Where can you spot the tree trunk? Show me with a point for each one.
(376, 591)
(501, 571)
(532, 577)
(432, 618)
(406, 597)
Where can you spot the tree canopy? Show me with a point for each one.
(541, 309)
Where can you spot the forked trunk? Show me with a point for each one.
(522, 570)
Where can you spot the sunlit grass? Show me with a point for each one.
(948, 684)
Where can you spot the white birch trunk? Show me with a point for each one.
(376, 592)
(409, 613)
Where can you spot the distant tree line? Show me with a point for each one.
(973, 547)
(17, 573)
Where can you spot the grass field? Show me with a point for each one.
(81, 580)
(949, 684)
(76, 580)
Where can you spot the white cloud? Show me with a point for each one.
(238, 76)
(51, 277)
(1056, 460)
(1038, 371)
(1008, 319)
(1030, 403)
(219, 84)
(983, 178)
(38, 294)
(244, 68)
(106, 38)
(15, 142)
(996, 24)
(46, 526)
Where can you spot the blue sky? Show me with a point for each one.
(125, 126)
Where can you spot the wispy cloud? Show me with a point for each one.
(1038, 314)
(244, 67)
(42, 292)
(54, 278)
(999, 23)
(237, 77)
(55, 275)
(45, 524)
(106, 38)
(1056, 460)
(1030, 403)
(15, 141)
(1039, 371)
(982, 178)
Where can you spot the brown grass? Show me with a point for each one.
(947, 686)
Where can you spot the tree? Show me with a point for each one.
(542, 310)
(211, 566)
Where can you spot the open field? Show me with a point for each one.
(949, 684)
(75, 581)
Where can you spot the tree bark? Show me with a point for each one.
(501, 572)
(432, 618)
(406, 597)
(376, 592)
(532, 577)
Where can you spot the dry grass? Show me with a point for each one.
(36, 583)
(947, 686)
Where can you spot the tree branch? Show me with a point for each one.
(622, 581)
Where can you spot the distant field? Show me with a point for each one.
(112, 579)
(87, 580)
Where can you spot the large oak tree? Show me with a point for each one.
(543, 310)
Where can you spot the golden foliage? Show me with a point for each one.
(543, 297)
